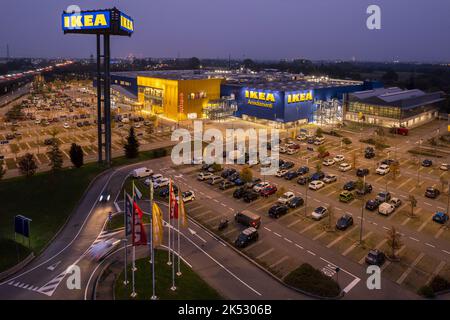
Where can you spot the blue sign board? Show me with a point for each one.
(22, 225)
(126, 23)
(86, 20)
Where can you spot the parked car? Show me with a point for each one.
(250, 196)
(252, 183)
(396, 202)
(239, 192)
(246, 237)
(269, 190)
(386, 208)
(280, 173)
(372, 205)
(215, 180)
(432, 193)
(319, 213)
(346, 196)
(384, 196)
(295, 202)
(291, 175)
(350, 186)
(278, 210)
(344, 222)
(440, 217)
(345, 167)
(159, 183)
(362, 172)
(286, 197)
(187, 196)
(303, 170)
(287, 165)
(291, 151)
(248, 219)
(316, 185)
(328, 162)
(142, 172)
(224, 185)
(375, 257)
(365, 190)
(444, 166)
(261, 186)
(427, 163)
(302, 180)
(317, 176)
(323, 155)
(329, 178)
(227, 172)
(339, 158)
(202, 176)
(383, 169)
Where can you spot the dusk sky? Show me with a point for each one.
(416, 30)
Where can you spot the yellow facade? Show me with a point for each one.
(192, 94)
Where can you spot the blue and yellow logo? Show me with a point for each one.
(126, 23)
(299, 97)
(260, 98)
(86, 20)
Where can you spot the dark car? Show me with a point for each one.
(317, 176)
(227, 172)
(278, 210)
(9, 136)
(205, 167)
(287, 165)
(310, 140)
(49, 141)
(350, 186)
(239, 192)
(427, 163)
(248, 219)
(440, 217)
(233, 176)
(366, 190)
(432, 193)
(253, 183)
(361, 172)
(344, 222)
(105, 196)
(224, 185)
(372, 205)
(303, 170)
(291, 175)
(164, 192)
(375, 257)
(239, 182)
(323, 155)
(250, 196)
(389, 162)
(384, 196)
(269, 190)
(295, 202)
(246, 237)
(369, 155)
(302, 181)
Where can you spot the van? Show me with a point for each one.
(214, 180)
(248, 219)
(386, 209)
(142, 172)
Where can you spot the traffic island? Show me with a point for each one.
(309, 280)
(189, 286)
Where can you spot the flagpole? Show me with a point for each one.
(169, 262)
(125, 282)
(152, 250)
(180, 199)
(133, 269)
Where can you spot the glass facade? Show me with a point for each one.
(374, 110)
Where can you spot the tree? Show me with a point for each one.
(281, 191)
(359, 184)
(390, 76)
(330, 222)
(413, 203)
(354, 158)
(318, 167)
(319, 132)
(27, 165)
(131, 147)
(248, 63)
(246, 174)
(346, 141)
(76, 155)
(321, 150)
(444, 183)
(55, 156)
(194, 63)
(216, 167)
(395, 169)
(394, 241)
(2, 170)
(380, 131)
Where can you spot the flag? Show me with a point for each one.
(136, 191)
(173, 203)
(139, 235)
(181, 210)
(128, 214)
(157, 225)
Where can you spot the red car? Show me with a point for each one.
(323, 155)
(269, 190)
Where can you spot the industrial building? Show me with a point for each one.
(393, 107)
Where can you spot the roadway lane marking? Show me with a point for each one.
(417, 240)
(277, 234)
(267, 229)
(288, 240)
(447, 252)
(351, 285)
(430, 245)
(299, 246)
(311, 253)
(53, 266)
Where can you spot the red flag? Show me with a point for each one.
(139, 234)
(173, 203)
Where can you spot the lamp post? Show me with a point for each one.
(418, 165)
(362, 211)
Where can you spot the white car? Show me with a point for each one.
(187, 196)
(66, 125)
(345, 167)
(386, 208)
(261, 186)
(286, 197)
(444, 166)
(396, 202)
(339, 158)
(318, 142)
(383, 169)
(202, 176)
(159, 183)
(101, 249)
(319, 213)
(328, 162)
(153, 178)
(316, 185)
(283, 149)
(142, 172)
(329, 178)
(281, 173)
(292, 151)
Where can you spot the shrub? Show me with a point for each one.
(426, 291)
(311, 280)
(439, 284)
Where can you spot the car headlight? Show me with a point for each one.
(101, 197)
(109, 196)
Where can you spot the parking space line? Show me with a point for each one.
(299, 246)
(279, 261)
(265, 253)
(277, 234)
(311, 253)
(407, 271)
(312, 225)
(320, 235)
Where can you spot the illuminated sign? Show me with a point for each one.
(299, 97)
(86, 20)
(260, 98)
(126, 23)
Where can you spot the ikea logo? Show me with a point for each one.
(126, 23)
(86, 20)
(259, 95)
(299, 97)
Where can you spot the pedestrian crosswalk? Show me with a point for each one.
(23, 285)
(51, 286)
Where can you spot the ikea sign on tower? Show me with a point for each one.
(87, 20)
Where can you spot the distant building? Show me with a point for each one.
(393, 107)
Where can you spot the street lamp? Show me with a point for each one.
(362, 210)
(418, 165)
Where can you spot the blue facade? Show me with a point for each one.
(287, 106)
(127, 83)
